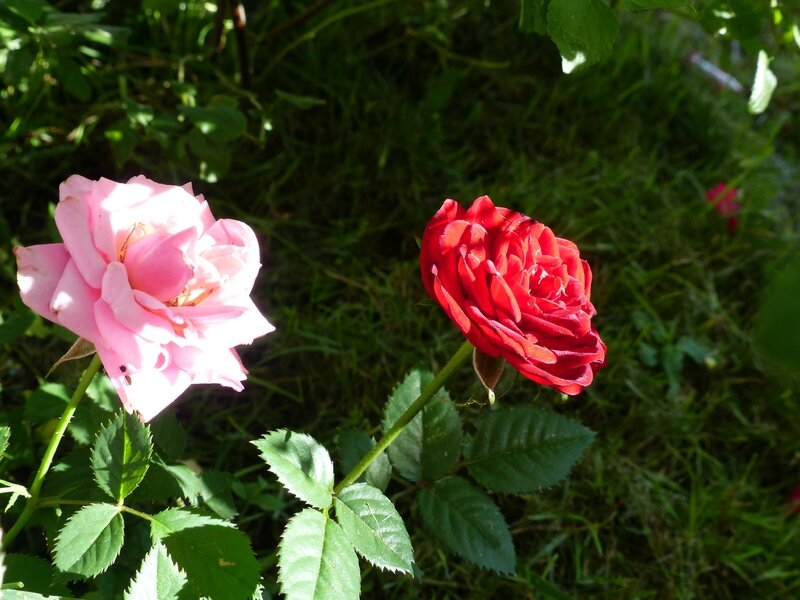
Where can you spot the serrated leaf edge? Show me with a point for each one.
(381, 566)
(281, 544)
(187, 510)
(469, 441)
(111, 562)
(285, 484)
(457, 551)
(158, 545)
(92, 455)
(385, 426)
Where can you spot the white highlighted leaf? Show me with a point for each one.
(764, 84)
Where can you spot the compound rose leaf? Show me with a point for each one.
(524, 449)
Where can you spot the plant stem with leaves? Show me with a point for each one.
(464, 352)
(49, 454)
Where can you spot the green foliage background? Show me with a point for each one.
(360, 119)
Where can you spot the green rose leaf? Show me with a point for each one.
(16, 324)
(121, 455)
(46, 402)
(353, 445)
(777, 329)
(182, 477)
(158, 578)
(168, 436)
(583, 30)
(429, 446)
(302, 465)
(217, 559)
(469, 523)
(173, 520)
(525, 448)
(90, 540)
(373, 525)
(20, 595)
(36, 574)
(316, 561)
(5, 437)
(215, 556)
(216, 493)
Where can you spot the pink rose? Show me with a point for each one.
(147, 275)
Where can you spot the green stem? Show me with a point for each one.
(464, 352)
(49, 453)
(45, 502)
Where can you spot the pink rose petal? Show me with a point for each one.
(71, 298)
(39, 269)
(156, 264)
(74, 219)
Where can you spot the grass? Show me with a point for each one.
(387, 111)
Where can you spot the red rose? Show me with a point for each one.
(723, 199)
(794, 502)
(515, 290)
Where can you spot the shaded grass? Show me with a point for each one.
(684, 493)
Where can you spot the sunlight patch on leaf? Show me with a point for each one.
(316, 561)
(158, 578)
(764, 85)
(301, 463)
(90, 541)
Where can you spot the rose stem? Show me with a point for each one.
(464, 352)
(47, 459)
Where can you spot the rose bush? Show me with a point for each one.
(147, 275)
(515, 290)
